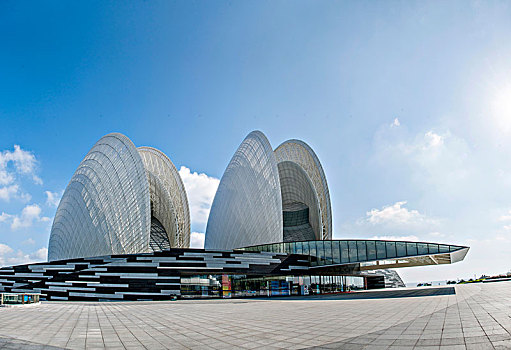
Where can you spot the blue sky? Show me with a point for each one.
(407, 104)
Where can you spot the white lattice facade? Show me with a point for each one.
(111, 203)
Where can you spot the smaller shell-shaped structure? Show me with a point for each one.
(301, 154)
(105, 208)
(121, 200)
(169, 203)
(247, 209)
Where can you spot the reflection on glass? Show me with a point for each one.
(336, 252)
(321, 252)
(401, 249)
(422, 248)
(345, 257)
(380, 250)
(444, 248)
(391, 249)
(361, 247)
(305, 248)
(352, 245)
(371, 250)
(328, 251)
(298, 247)
(313, 253)
(411, 248)
(433, 248)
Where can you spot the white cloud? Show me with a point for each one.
(9, 257)
(30, 214)
(506, 217)
(395, 123)
(5, 249)
(23, 162)
(13, 191)
(395, 214)
(8, 191)
(436, 234)
(197, 240)
(200, 189)
(29, 241)
(53, 198)
(397, 238)
(433, 140)
(4, 217)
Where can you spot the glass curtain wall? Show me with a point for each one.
(353, 251)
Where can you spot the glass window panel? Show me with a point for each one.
(444, 248)
(380, 250)
(305, 248)
(328, 251)
(411, 248)
(391, 249)
(345, 257)
(336, 252)
(313, 252)
(452, 248)
(371, 250)
(433, 248)
(298, 247)
(352, 245)
(362, 250)
(422, 248)
(401, 249)
(320, 251)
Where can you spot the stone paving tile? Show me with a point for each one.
(478, 316)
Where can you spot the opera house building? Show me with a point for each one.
(122, 232)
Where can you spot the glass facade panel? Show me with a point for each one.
(305, 248)
(352, 245)
(433, 248)
(362, 251)
(371, 250)
(320, 251)
(380, 250)
(443, 248)
(328, 251)
(391, 249)
(313, 253)
(400, 249)
(336, 252)
(298, 247)
(411, 248)
(422, 248)
(345, 257)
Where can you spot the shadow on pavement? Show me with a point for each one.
(13, 343)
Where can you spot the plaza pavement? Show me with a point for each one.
(476, 316)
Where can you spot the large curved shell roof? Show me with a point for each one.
(168, 196)
(300, 153)
(247, 208)
(105, 208)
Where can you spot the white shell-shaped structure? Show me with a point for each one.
(301, 154)
(268, 196)
(169, 203)
(247, 209)
(116, 203)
